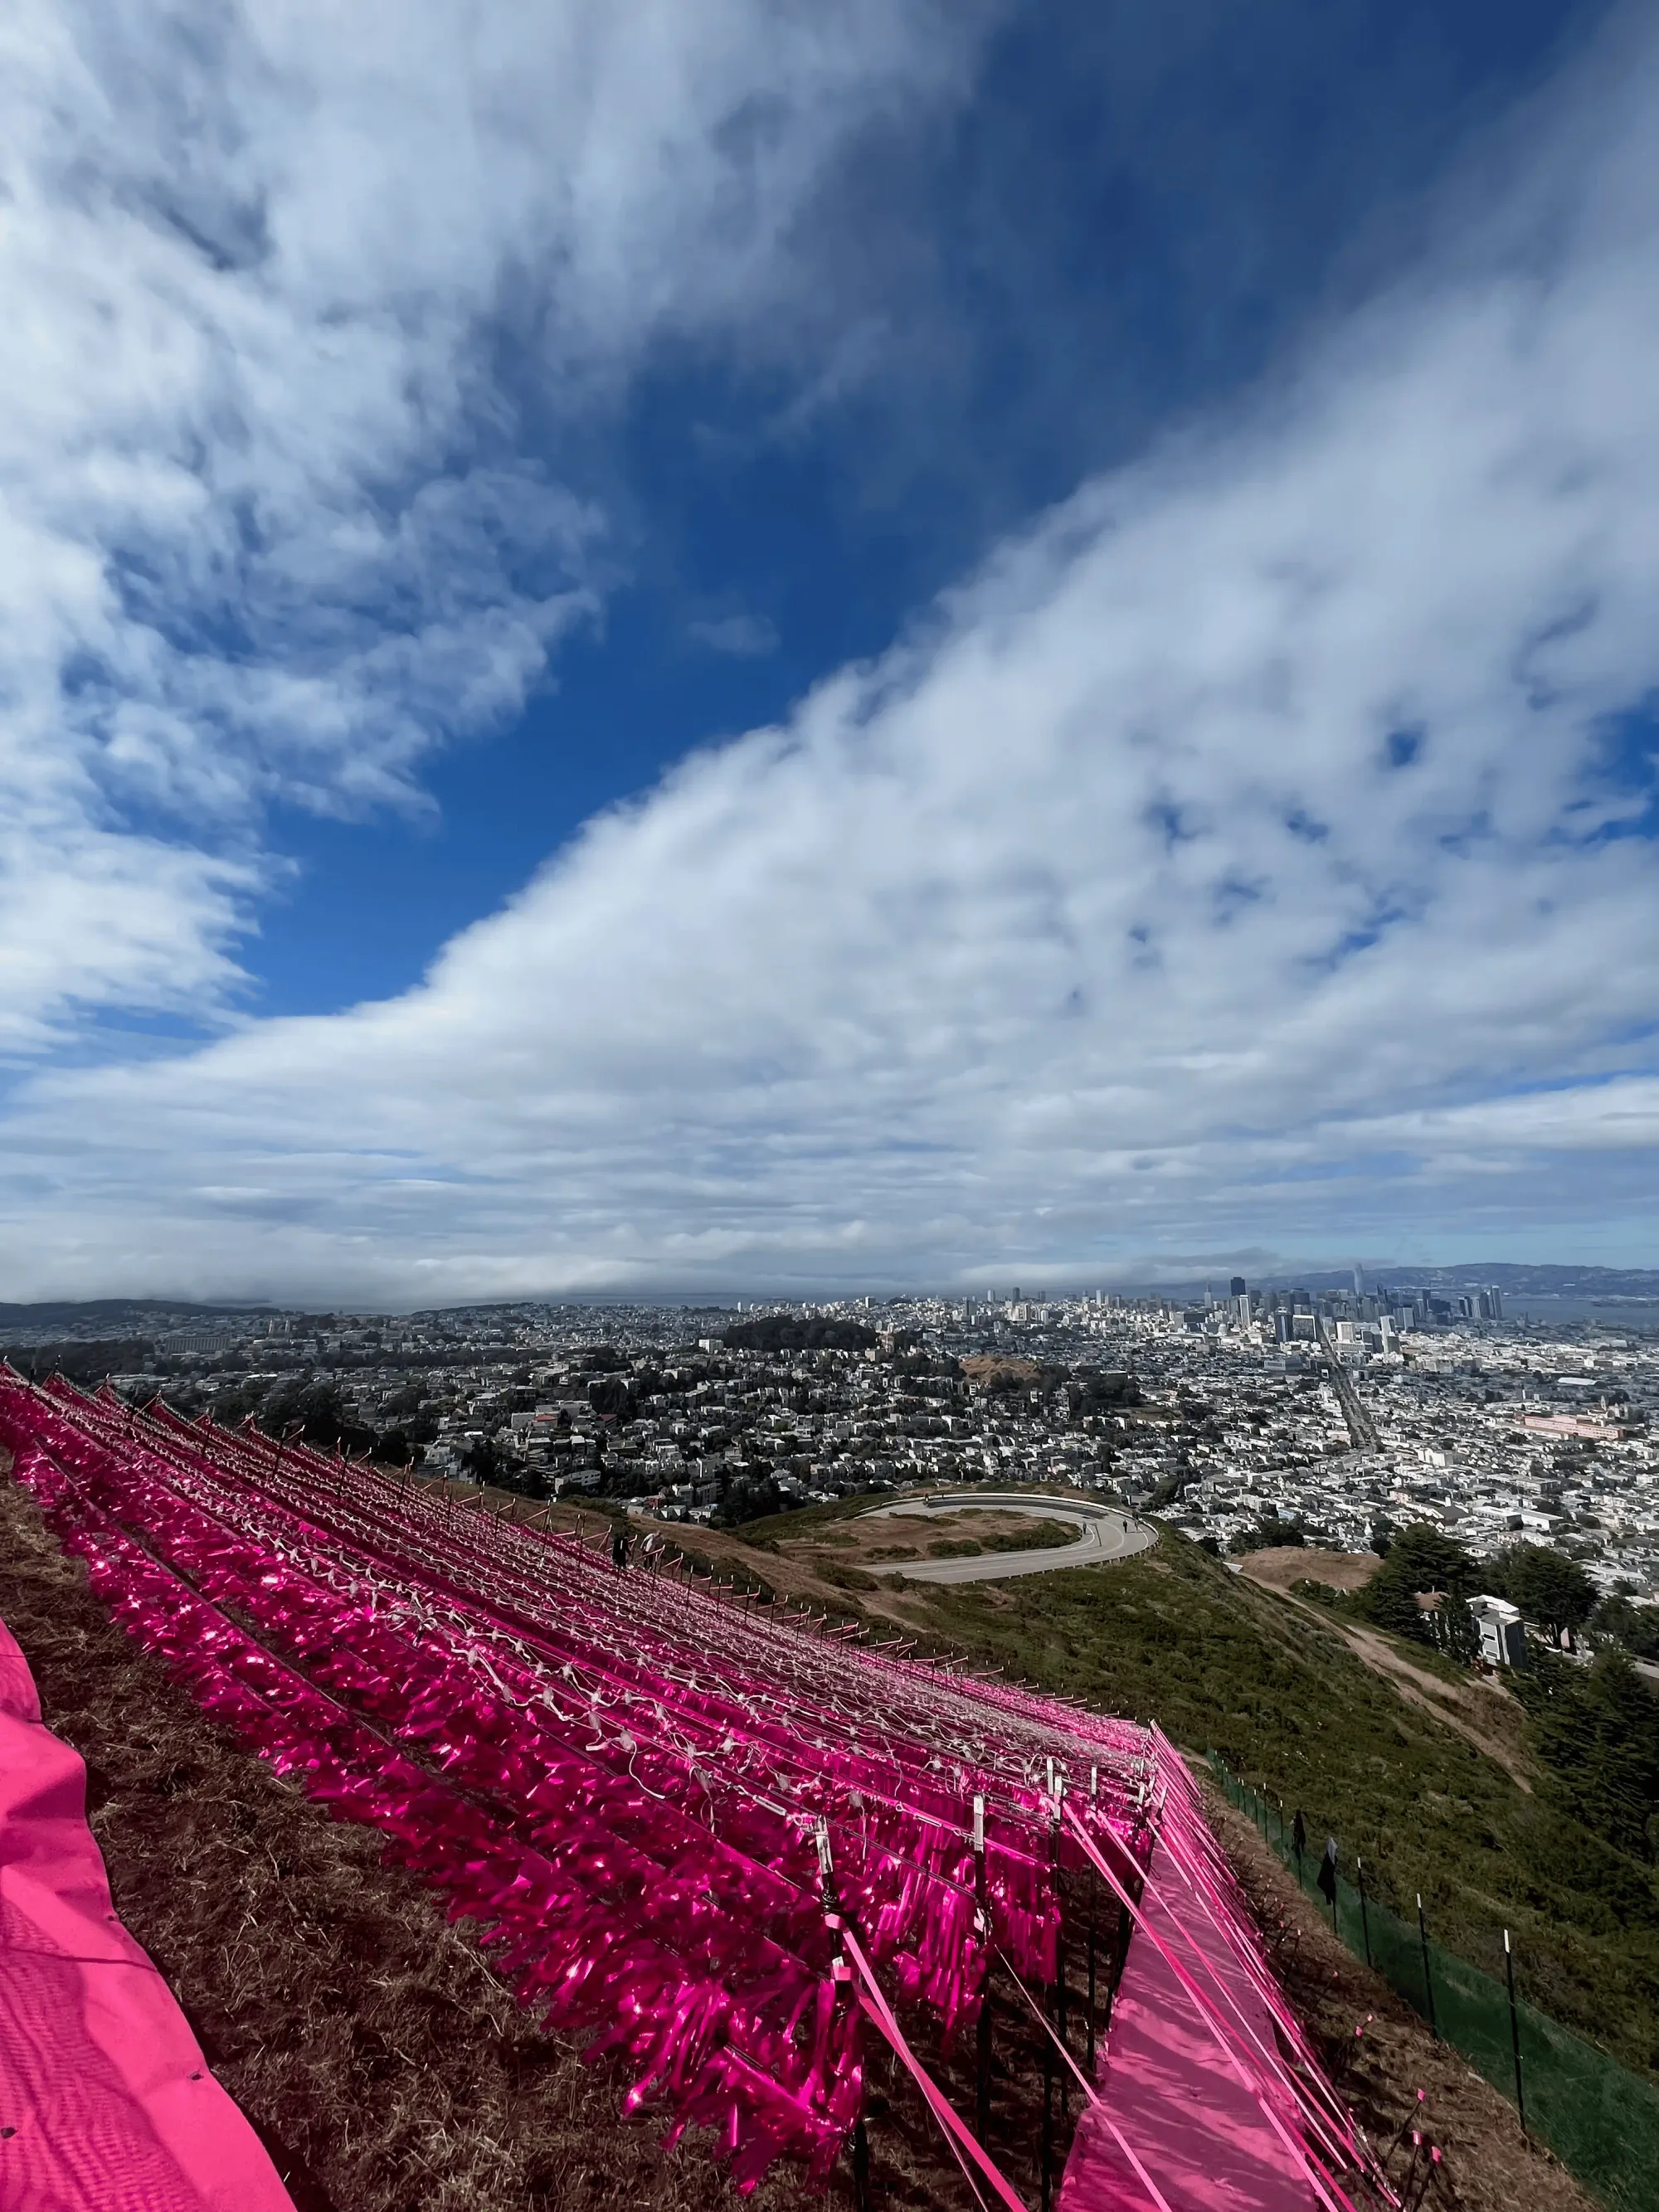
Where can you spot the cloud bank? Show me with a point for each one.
(1255, 849)
(272, 527)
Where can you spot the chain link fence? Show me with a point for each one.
(1599, 2119)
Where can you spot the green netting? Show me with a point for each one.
(1599, 2119)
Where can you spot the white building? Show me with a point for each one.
(1503, 1637)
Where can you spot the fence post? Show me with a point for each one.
(831, 1897)
(1054, 2001)
(1062, 1992)
(1094, 1904)
(982, 2093)
(1428, 1978)
(1364, 1916)
(1515, 2030)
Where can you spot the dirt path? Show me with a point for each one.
(1489, 2166)
(1481, 1712)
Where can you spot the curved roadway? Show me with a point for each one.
(1104, 1533)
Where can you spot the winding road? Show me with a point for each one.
(1104, 1533)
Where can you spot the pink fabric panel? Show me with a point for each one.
(1197, 2132)
(106, 2101)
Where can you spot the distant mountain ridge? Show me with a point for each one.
(1514, 1277)
(116, 1317)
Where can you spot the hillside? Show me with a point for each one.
(266, 1946)
(1379, 1751)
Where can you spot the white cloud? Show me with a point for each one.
(267, 530)
(1229, 860)
(748, 637)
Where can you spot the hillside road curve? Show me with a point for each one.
(1105, 1532)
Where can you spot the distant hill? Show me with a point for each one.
(1515, 1278)
(83, 1318)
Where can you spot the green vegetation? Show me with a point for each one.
(811, 1518)
(1636, 1627)
(1173, 1637)
(86, 1363)
(799, 1332)
(1548, 1587)
(1270, 1535)
(1419, 1560)
(1597, 1731)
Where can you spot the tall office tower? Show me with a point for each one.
(1358, 1280)
(1496, 1296)
(1236, 1288)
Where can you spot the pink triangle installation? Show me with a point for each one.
(664, 1811)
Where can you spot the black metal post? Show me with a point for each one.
(1515, 2030)
(1094, 1894)
(1428, 1978)
(1094, 1906)
(982, 2091)
(832, 1913)
(1364, 1916)
(1047, 2042)
(1047, 2122)
(1061, 1993)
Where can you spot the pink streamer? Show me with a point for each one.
(620, 1778)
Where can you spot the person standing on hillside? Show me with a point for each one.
(619, 1547)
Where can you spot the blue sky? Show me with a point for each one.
(1124, 220)
(800, 646)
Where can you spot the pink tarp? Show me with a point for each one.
(1196, 2128)
(106, 2103)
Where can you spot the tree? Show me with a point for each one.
(318, 1410)
(1549, 1588)
(1382, 1534)
(1269, 1534)
(611, 1399)
(1419, 1559)
(1597, 1731)
(1634, 1626)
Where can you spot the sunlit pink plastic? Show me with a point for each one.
(106, 2103)
(622, 1781)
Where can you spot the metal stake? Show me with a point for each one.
(1364, 1916)
(1057, 2005)
(1094, 1903)
(1515, 2030)
(982, 2090)
(832, 1913)
(1094, 1892)
(1428, 1978)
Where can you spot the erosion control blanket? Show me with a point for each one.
(106, 2103)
